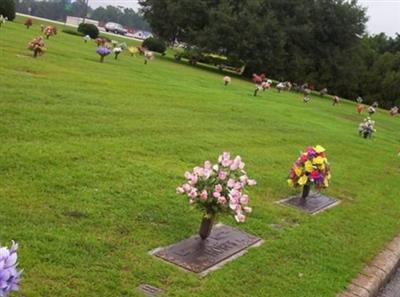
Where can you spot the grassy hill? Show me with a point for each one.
(91, 154)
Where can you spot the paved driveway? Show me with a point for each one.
(393, 287)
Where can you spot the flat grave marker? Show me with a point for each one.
(314, 203)
(200, 256)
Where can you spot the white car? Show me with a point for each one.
(115, 28)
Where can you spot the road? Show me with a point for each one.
(101, 29)
(393, 287)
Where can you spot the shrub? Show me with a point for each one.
(7, 9)
(155, 45)
(89, 29)
(72, 32)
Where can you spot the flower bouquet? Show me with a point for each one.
(102, 51)
(117, 51)
(148, 56)
(394, 111)
(86, 38)
(28, 23)
(37, 46)
(219, 188)
(227, 80)
(49, 31)
(9, 276)
(366, 128)
(310, 169)
(2, 20)
(371, 110)
(133, 50)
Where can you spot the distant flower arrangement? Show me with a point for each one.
(371, 110)
(102, 51)
(37, 46)
(100, 41)
(117, 51)
(86, 38)
(219, 188)
(227, 80)
(49, 31)
(133, 50)
(367, 128)
(148, 56)
(9, 275)
(311, 169)
(28, 23)
(394, 111)
(2, 20)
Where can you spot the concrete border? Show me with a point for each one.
(376, 274)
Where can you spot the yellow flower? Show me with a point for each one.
(298, 171)
(303, 180)
(318, 160)
(326, 182)
(308, 166)
(321, 167)
(319, 149)
(290, 183)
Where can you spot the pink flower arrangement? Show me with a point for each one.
(219, 188)
(227, 80)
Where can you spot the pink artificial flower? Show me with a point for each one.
(247, 209)
(235, 195)
(218, 188)
(231, 183)
(193, 193)
(180, 190)
(188, 175)
(240, 218)
(217, 194)
(207, 173)
(199, 171)
(203, 195)
(207, 165)
(244, 179)
(244, 200)
(222, 175)
(222, 200)
(193, 180)
(233, 205)
(186, 188)
(225, 159)
(237, 186)
(251, 182)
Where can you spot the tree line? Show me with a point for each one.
(60, 9)
(322, 42)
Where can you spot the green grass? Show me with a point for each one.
(91, 153)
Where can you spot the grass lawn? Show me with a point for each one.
(91, 154)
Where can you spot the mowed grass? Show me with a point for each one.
(91, 154)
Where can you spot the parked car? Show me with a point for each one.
(115, 28)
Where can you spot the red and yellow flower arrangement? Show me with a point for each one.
(311, 169)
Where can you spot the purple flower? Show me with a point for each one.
(103, 51)
(9, 276)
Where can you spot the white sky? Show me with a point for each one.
(384, 15)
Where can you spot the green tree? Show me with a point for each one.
(7, 9)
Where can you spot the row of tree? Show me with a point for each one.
(60, 9)
(322, 42)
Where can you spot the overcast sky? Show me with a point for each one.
(384, 15)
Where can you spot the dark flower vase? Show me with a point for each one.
(305, 194)
(206, 226)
